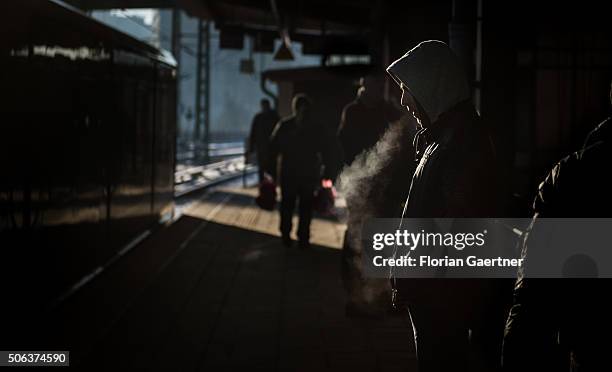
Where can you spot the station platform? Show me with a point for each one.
(215, 290)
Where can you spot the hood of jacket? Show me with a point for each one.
(434, 75)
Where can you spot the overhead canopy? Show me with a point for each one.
(310, 14)
(322, 26)
(413, 19)
(70, 38)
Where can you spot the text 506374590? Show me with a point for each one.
(34, 358)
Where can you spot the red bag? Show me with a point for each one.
(325, 198)
(267, 194)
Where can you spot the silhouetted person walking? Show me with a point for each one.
(365, 120)
(261, 129)
(455, 177)
(304, 148)
(564, 324)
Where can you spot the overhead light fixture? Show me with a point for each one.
(284, 52)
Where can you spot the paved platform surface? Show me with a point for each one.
(217, 291)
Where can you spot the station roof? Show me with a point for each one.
(69, 38)
(322, 26)
(343, 14)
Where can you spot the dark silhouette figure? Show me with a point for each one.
(564, 324)
(304, 149)
(364, 120)
(261, 129)
(455, 177)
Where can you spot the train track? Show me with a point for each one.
(188, 179)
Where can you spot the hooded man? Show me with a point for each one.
(455, 177)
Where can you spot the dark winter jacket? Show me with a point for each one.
(304, 150)
(563, 324)
(456, 173)
(261, 129)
